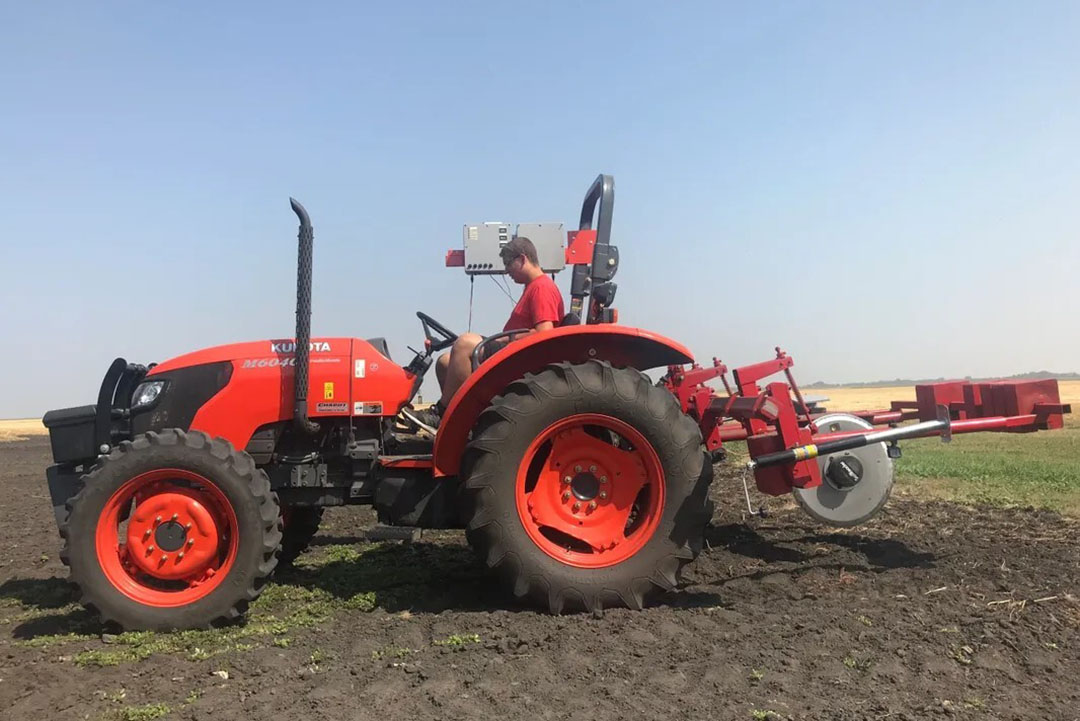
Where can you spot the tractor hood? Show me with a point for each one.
(283, 350)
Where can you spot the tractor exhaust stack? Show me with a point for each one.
(306, 240)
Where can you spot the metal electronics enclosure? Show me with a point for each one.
(483, 242)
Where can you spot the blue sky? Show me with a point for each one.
(883, 189)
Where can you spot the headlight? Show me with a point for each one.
(146, 393)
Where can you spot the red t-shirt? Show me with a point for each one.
(540, 301)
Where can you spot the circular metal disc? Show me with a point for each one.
(858, 504)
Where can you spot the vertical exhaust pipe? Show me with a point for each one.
(306, 242)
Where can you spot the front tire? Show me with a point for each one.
(172, 530)
(586, 487)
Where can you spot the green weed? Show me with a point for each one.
(961, 654)
(457, 640)
(149, 712)
(976, 703)
(858, 664)
(763, 715)
(391, 652)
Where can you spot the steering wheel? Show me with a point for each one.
(437, 334)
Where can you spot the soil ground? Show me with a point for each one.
(932, 609)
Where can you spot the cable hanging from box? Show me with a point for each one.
(506, 291)
(472, 284)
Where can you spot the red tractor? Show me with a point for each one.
(578, 480)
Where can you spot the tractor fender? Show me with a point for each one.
(619, 345)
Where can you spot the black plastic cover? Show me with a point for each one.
(71, 433)
(187, 391)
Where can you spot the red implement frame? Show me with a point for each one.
(775, 417)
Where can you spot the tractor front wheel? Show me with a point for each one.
(586, 487)
(172, 530)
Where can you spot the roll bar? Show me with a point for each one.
(602, 190)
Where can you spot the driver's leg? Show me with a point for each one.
(459, 365)
(441, 364)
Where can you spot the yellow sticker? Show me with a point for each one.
(328, 391)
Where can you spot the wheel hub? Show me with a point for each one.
(170, 536)
(585, 495)
(854, 485)
(845, 472)
(585, 486)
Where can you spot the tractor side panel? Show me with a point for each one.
(380, 387)
(348, 376)
(619, 345)
(261, 388)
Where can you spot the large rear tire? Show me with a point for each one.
(586, 487)
(172, 530)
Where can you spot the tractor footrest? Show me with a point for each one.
(393, 533)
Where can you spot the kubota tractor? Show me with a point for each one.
(578, 480)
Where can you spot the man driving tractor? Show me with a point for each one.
(540, 308)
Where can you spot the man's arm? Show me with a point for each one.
(538, 328)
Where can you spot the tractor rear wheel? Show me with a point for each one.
(585, 487)
(172, 530)
(299, 526)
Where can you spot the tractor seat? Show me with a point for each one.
(569, 319)
(381, 346)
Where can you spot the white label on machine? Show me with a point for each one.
(474, 232)
(360, 368)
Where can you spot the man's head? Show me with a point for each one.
(520, 259)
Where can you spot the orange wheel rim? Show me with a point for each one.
(589, 490)
(166, 538)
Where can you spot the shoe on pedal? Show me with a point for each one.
(427, 419)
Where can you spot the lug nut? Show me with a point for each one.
(592, 469)
(592, 505)
(175, 516)
(577, 506)
(603, 494)
(179, 555)
(566, 496)
(147, 534)
(568, 479)
(187, 525)
(164, 558)
(149, 549)
(191, 541)
(603, 479)
(577, 469)
(157, 520)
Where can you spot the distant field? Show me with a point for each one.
(861, 399)
(1005, 469)
(21, 429)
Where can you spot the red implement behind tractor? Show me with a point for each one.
(578, 480)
